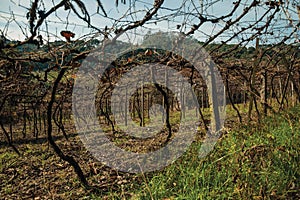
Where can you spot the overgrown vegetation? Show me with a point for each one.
(249, 162)
(254, 44)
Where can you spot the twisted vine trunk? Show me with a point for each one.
(57, 150)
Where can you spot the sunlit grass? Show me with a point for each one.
(250, 163)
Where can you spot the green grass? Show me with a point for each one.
(7, 159)
(254, 162)
(248, 162)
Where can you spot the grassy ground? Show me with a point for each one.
(249, 162)
(257, 162)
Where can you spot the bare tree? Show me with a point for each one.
(33, 71)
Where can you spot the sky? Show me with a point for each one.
(17, 28)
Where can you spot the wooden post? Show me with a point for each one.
(264, 92)
(126, 105)
(216, 123)
(182, 100)
(142, 103)
(252, 80)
